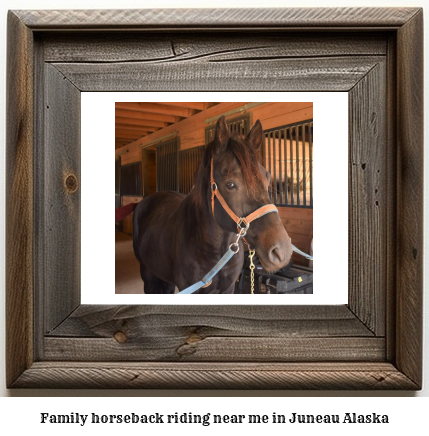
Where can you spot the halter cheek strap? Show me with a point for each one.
(258, 213)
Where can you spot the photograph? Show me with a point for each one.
(214, 197)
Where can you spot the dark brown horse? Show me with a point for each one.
(178, 239)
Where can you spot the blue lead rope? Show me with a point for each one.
(307, 256)
(223, 261)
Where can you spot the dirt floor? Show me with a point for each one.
(127, 269)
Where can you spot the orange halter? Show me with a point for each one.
(267, 208)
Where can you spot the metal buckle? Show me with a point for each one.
(243, 227)
(241, 233)
(213, 186)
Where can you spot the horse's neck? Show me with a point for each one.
(202, 229)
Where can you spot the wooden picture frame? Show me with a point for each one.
(374, 342)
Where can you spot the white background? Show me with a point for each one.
(21, 414)
(330, 151)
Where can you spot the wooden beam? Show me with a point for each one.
(128, 136)
(120, 144)
(209, 105)
(127, 128)
(118, 130)
(193, 112)
(135, 122)
(160, 139)
(131, 129)
(187, 125)
(238, 110)
(146, 116)
(189, 105)
(131, 137)
(157, 108)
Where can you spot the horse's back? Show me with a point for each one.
(159, 203)
(154, 212)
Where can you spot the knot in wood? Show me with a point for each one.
(193, 338)
(71, 183)
(120, 337)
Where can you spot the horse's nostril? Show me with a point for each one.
(280, 253)
(275, 255)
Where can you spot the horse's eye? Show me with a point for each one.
(231, 185)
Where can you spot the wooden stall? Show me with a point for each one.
(167, 141)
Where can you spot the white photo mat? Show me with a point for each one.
(330, 198)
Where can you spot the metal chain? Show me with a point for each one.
(252, 273)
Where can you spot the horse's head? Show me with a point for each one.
(243, 183)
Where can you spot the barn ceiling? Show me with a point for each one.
(136, 120)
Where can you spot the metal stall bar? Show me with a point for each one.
(270, 167)
(310, 150)
(280, 168)
(304, 164)
(273, 136)
(291, 169)
(298, 202)
(286, 136)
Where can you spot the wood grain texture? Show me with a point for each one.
(156, 48)
(213, 333)
(241, 321)
(194, 348)
(19, 200)
(367, 199)
(302, 74)
(250, 376)
(410, 198)
(61, 249)
(349, 347)
(391, 192)
(208, 18)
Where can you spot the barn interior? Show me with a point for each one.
(158, 147)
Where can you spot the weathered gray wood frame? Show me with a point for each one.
(374, 342)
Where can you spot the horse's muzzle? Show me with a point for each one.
(278, 255)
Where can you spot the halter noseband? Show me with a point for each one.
(242, 222)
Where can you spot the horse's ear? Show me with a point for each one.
(221, 131)
(254, 138)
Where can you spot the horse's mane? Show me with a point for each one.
(235, 147)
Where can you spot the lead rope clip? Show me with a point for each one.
(252, 271)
